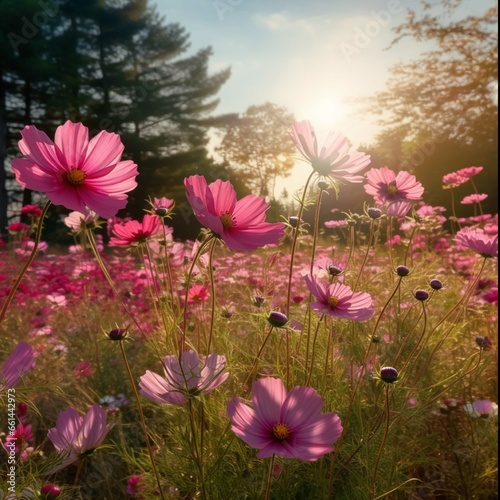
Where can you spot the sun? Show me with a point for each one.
(325, 113)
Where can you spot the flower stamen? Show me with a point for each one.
(228, 221)
(281, 431)
(75, 177)
(333, 301)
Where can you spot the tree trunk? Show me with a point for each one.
(4, 202)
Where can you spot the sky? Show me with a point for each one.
(318, 58)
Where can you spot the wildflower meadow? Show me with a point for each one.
(280, 359)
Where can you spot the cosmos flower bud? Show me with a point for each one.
(436, 284)
(402, 271)
(258, 300)
(421, 295)
(117, 334)
(374, 213)
(334, 270)
(484, 342)
(22, 410)
(389, 374)
(293, 220)
(277, 319)
(323, 185)
(50, 491)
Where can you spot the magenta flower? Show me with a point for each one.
(478, 241)
(335, 158)
(75, 172)
(339, 300)
(240, 224)
(134, 232)
(18, 363)
(75, 435)
(185, 379)
(397, 191)
(288, 424)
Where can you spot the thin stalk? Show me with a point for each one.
(212, 298)
(111, 283)
(182, 343)
(294, 243)
(141, 417)
(313, 350)
(351, 399)
(384, 439)
(27, 264)
(365, 258)
(196, 450)
(270, 478)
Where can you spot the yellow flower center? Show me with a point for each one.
(281, 431)
(75, 177)
(392, 189)
(227, 220)
(333, 301)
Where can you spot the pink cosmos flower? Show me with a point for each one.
(75, 435)
(18, 363)
(395, 190)
(75, 172)
(469, 172)
(185, 379)
(20, 439)
(134, 232)
(134, 485)
(473, 199)
(83, 369)
(334, 159)
(288, 424)
(197, 294)
(477, 240)
(453, 180)
(240, 224)
(339, 300)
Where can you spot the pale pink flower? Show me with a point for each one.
(472, 199)
(239, 223)
(339, 300)
(482, 408)
(396, 191)
(18, 363)
(335, 157)
(134, 232)
(75, 172)
(75, 435)
(477, 240)
(78, 220)
(287, 424)
(189, 377)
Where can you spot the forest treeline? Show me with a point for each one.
(117, 65)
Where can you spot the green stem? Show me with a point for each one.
(270, 478)
(212, 290)
(384, 439)
(26, 266)
(141, 417)
(368, 245)
(294, 244)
